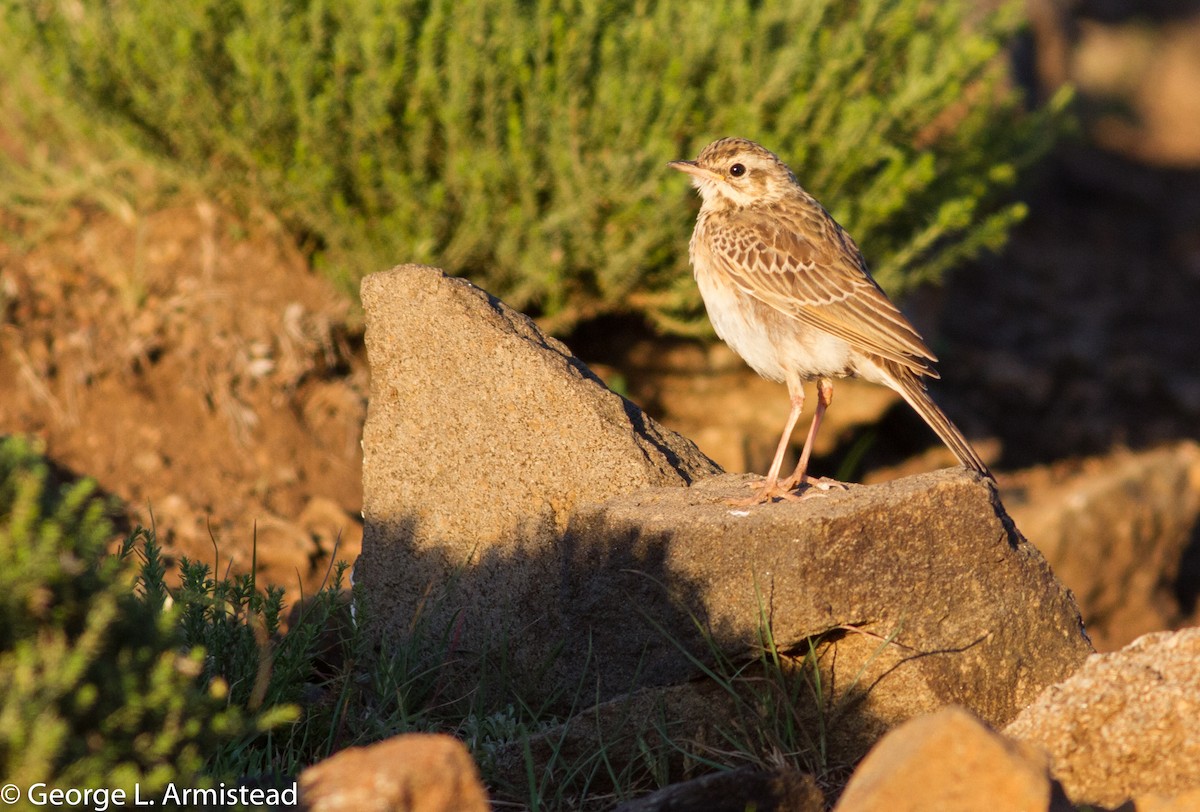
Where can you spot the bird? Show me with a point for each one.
(788, 289)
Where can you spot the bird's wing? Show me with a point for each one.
(805, 265)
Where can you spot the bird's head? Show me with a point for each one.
(735, 173)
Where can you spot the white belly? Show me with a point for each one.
(775, 345)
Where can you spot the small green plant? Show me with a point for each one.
(523, 144)
(98, 693)
(262, 669)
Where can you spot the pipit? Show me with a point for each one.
(787, 288)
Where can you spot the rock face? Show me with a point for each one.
(482, 436)
(417, 772)
(1125, 724)
(1188, 801)
(948, 760)
(913, 594)
(1115, 533)
(522, 509)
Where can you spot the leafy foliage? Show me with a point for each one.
(523, 143)
(115, 678)
(97, 691)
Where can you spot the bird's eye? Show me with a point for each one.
(737, 170)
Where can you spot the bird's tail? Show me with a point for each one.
(912, 389)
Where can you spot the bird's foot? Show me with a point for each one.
(766, 492)
(817, 486)
(786, 491)
(791, 489)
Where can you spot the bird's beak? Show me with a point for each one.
(694, 169)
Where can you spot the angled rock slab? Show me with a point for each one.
(904, 596)
(1126, 724)
(515, 505)
(482, 436)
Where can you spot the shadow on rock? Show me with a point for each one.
(544, 528)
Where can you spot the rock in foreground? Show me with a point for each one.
(416, 772)
(1125, 724)
(948, 760)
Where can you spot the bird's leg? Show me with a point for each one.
(770, 488)
(797, 397)
(824, 396)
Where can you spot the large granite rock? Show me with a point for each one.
(482, 436)
(1115, 529)
(516, 506)
(1126, 724)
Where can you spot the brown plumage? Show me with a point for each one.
(786, 287)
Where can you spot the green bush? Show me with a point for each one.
(523, 144)
(114, 678)
(97, 692)
(282, 675)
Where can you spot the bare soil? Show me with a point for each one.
(191, 363)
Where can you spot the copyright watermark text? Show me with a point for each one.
(172, 796)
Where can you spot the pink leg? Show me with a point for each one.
(770, 488)
(824, 397)
(794, 415)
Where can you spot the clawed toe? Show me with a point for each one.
(812, 486)
(788, 491)
(767, 494)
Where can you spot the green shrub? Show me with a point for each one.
(97, 692)
(523, 144)
(113, 678)
(277, 673)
